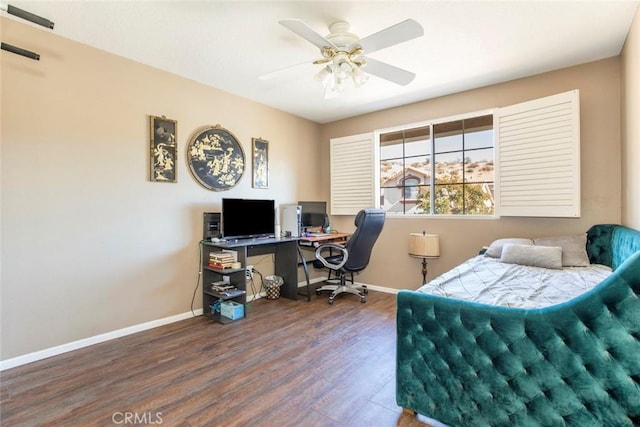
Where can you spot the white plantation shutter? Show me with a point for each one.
(353, 174)
(538, 157)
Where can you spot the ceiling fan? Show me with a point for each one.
(343, 53)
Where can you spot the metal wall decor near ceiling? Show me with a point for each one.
(28, 16)
(215, 158)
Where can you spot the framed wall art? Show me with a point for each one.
(215, 158)
(163, 149)
(260, 163)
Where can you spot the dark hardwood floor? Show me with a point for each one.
(288, 363)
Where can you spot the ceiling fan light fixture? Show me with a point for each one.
(343, 70)
(342, 53)
(328, 52)
(359, 77)
(331, 88)
(324, 75)
(343, 66)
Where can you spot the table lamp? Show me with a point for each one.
(423, 245)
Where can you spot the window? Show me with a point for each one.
(439, 169)
(447, 167)
(405, 170)
(411, 188)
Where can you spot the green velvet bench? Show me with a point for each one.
(572, 364)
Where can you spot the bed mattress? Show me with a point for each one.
(487, 280)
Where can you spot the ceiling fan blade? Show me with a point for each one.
(388, 72)
(306, 32)
(401, 32)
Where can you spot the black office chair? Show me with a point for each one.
(353, 256)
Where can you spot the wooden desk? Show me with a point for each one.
(315, 241)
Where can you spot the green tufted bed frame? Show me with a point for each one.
(575, 363)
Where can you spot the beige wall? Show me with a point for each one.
(599, 85)
(89, 244)
(631, 126)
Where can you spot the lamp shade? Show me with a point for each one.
(424, 245)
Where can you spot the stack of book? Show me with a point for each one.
(220, 260)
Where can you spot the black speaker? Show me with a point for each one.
(211, 226)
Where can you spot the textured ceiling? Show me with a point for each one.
(229, 44)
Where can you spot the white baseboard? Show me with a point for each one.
(381, 289)
(86, 342)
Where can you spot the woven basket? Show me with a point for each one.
(272, 286)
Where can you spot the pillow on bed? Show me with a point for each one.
(535, 256)
(574, 249)
(495, 249)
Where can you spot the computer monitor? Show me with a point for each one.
(314, 214)
(248, 218)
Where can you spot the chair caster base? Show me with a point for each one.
(337, 289)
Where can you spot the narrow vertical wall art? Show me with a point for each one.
(163, 149)
(260, 163)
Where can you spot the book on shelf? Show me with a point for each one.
(220, 260)
(221, 255)
(233, 293)
(229, 293)
(221, 287)
(218, 266)
(232, 253)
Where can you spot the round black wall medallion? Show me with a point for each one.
(215, 158)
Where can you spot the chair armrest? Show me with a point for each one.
(327, 263)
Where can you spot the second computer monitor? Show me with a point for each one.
(314, 215)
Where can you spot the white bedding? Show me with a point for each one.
(487, 280)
